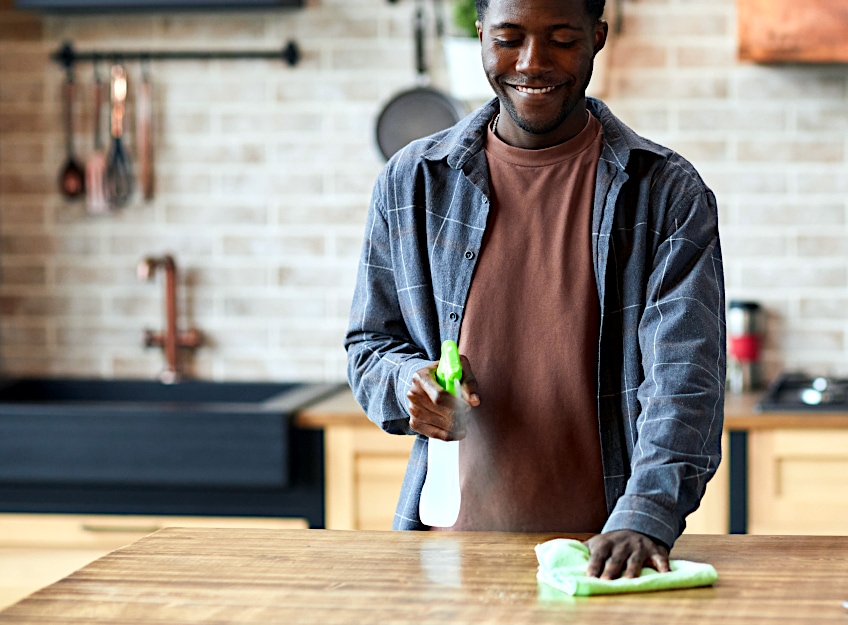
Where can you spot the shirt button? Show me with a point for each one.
(453, 316)
(485, 200)
(469, 254)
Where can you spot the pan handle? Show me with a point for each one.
(439, 9)
(420, 60)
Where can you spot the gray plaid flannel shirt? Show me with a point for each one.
(658, 268)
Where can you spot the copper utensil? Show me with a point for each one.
(95, 164)
(119, 180)
(71, 176)
(144, 110)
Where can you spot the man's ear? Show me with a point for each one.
(601, 32)
(479, 30)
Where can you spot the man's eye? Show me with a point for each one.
(507, 43)
(565, 44)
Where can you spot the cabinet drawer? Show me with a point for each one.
(107, 532)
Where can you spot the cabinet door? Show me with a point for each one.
(713, 515)
(798, 482)
(364, 473)
(378, 481)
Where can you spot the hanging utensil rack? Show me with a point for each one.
(68, 56)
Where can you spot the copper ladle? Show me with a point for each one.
(72, 175)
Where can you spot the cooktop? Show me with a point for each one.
(800, 391)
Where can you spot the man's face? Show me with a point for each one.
(538, 57)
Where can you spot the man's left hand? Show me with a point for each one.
(623, 553)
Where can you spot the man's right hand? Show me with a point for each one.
(434, 412)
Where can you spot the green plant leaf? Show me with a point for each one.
(465, 17)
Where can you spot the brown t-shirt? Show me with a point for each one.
(531, 460)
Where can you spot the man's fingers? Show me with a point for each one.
(624, 553)
(434, 420)
(469, 383)
(597, 559)
(424, 381)
(431, 431)
(442, 425)
(433, 411)
(614, 564)
(634, 566)
(660, 562)
(435, 424)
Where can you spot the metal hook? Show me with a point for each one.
(95, 62)
(619, 16)
(145, 68)
(66, 56)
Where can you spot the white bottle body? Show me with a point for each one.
(440, 497)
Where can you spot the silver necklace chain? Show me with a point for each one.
(495, 124)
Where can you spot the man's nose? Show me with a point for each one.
(535, 58)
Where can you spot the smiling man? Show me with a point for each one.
(578, 266)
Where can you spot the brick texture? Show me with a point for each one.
(263, 174)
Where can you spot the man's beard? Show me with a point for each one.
(542, 127)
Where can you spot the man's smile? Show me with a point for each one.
(534, 90)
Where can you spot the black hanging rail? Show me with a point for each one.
(68, 56)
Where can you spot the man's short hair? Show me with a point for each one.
(594, 8)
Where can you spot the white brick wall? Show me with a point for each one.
(772, 142)
(264, 172)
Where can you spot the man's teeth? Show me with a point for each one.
(532, 90)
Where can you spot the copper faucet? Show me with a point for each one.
(170, 340)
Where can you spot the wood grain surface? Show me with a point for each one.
(181, 575)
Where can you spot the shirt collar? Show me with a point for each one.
(466, 138)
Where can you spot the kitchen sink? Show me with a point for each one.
(140, 433)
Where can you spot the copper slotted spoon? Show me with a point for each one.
(95, 164)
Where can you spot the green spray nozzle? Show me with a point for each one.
(449, 371)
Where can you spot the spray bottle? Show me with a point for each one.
(440, 497)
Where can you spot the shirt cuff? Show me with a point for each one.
(642, 515)
(404, 381)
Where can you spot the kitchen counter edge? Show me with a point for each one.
(341, 409)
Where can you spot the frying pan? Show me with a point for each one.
(416, 112)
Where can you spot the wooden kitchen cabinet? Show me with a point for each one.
(779, 31)
(38, 549)
(363, 466)
(797, 475)
(798, 482)
(713, 515)
(365, 469)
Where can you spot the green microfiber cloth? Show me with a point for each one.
(563, 563)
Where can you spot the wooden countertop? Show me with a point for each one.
(183, 575)
(739, 414)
